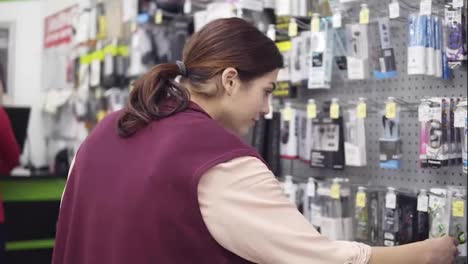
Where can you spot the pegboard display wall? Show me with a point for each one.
(410, 89)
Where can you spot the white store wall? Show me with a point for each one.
(28, 20)
(26, 16)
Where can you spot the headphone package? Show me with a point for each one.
(390, 141)
(439, 208)
(289, 133)
(434, 118)
(457, 227)
(383, 55)
(327, 141)
(355, 139)
(321, 50)
(461, 127)
(358, 51)
(417, 41)
(455, 26)
(304, 135)
(296, 61)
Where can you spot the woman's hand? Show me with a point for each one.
(441, 250)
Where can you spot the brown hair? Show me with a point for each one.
(223, 43)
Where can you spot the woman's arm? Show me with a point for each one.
(9, 148)
(243, 206)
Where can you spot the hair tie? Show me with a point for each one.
(182, 68)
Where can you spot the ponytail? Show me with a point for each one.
(148, 92)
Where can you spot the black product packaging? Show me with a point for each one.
(327, 142)
(272, 145)
(259, 136)
(376, 203)
(408, 218)
(422, 232)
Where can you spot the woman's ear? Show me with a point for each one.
(230, 80)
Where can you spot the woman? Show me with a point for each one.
(9, 158)
(168, 179)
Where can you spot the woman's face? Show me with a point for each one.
(246, 102)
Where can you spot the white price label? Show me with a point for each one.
(423, 203)
(310, 189)
(457, 3)
(460, 118)
(424, 113)
(425, 7)
(390, 201)
(394, 9)
(337, 20)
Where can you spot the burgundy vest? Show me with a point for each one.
(135, 200)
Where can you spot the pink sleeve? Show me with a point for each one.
(9, 149)
(246, 212)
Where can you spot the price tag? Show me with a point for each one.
(158, 17)
(315, 24)
(394, 9)
(457, 3)
(287, 112)
(425, 8)
(458, 208)
(361, 110)
(337, 20)
(423, 203)
(361, 199)
(292, 32)
(364, 16)
(334, 111)
(390, 110)
(424, 113)
(311, 111)
(460, 118)
(187, 6)
(390, 201)
(100, 115)
(335, 191)
(310, 189)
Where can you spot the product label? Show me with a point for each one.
(460, 117)
(361, 199)
(390, 200)
(394, 9)
(311, 111)
(390, 110)
(310, 189)
(364, 16)
(334, 111)
(425, 7)
(287, 112)
(158, 17)
(292, 29)
(337, 20)
(424, 113)
(361, 110)
(423, 203)
(315, 24)
(457, 3)
(335, 191)
(458, 208)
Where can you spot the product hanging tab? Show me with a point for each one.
(315, 22)
(334, 109)
(364, 14)
(390, 108)
(293, 28)
(337, 20)
(158, 17)
(394, 9)
(311, 109)
(361, 108)
(425, 7)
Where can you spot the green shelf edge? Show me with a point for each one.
(30, 245)
(32, 190)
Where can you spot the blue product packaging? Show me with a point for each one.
(417, 28)
(430, 46)
(438, 46)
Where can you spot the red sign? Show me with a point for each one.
(58, 28)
